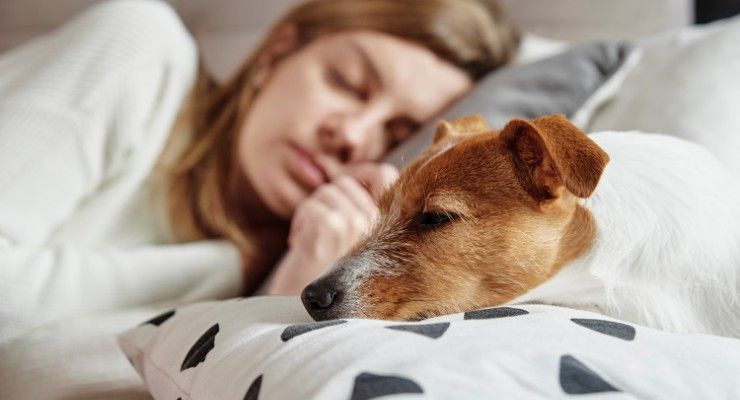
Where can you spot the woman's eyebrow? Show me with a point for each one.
(367, 63)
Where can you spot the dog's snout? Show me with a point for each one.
(318, 298)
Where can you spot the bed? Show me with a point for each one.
(268, 348)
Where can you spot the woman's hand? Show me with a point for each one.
(327, 224)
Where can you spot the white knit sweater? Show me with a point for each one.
(85, 250)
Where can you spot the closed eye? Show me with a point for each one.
(340, 81)
(433, 219)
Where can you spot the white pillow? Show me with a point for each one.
(268, 348)
(687, 84)
(534, 48)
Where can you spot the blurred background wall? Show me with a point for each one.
(227, 29)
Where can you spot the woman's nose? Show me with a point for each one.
(347, 137)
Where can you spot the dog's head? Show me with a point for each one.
(479, 219)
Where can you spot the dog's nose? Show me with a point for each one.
(318, 298)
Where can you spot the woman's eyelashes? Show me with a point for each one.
(396, 129)
(338, 79)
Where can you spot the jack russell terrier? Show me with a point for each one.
(640, 227)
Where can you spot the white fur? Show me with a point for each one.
(667, 251)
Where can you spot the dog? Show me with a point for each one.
(636, 226)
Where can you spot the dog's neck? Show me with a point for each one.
(663, 250)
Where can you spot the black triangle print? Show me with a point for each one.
(159, 319)
(254, 389)
(200, 349)
(497, 312)
(577, 378)
(433, 331)
(370, 386)
(611, 328)
(294, 330)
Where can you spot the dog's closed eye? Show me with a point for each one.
(433, 219)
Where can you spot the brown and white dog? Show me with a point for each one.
(641, 227)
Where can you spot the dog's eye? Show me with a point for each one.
(433, 219)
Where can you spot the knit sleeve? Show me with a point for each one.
(39, 285)
(80, 111)
(82, 106)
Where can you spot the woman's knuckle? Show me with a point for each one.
(359, 224)
(306, 207)
(335, 222)
(323, 191)
(345, 181)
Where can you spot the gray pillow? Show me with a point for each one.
(557, 84)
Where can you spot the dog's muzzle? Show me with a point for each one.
(321, 299)
(331, 296)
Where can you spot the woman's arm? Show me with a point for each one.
(42, 284)
(294, 272)
(84, 113)
(86, 110)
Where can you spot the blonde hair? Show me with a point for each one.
(469, 34)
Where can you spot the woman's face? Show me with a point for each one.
(340, 100)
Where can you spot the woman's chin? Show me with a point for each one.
(288, 194)
(282, 189)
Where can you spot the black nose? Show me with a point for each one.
(318, 298)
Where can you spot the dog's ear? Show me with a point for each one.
(550, 153)
(444, 131)
(469, 125)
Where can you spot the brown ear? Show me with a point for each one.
(468, 125)
(550, 152)
(444, 131)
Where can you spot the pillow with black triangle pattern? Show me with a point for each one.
(269, 348)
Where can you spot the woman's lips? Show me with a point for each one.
(307, 169)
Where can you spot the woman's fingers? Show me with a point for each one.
(376, 177)
(335, 197)
(322, 231)
(360, 197)
(348, 202)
